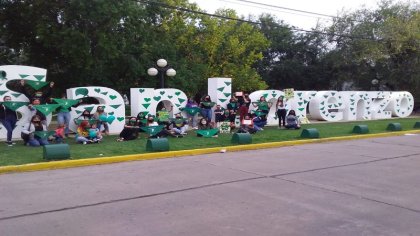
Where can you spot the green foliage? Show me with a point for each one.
(381, 44)
(113, 43)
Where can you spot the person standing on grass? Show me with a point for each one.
(206, 108)
(281, 111)
(63, 115)
(246, 100)
(219, 115)
(192, 116)
(292, 121)
(8, 118)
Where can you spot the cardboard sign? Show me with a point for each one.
(224, 127)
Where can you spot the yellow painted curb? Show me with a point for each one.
(160, 155)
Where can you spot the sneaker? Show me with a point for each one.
(179, 136)
(10, 144)
(84, 143)
(195, 128)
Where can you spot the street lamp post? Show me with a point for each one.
(162, 68)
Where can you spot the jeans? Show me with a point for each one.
(36, 142)
(207, 113)
(81, 139)
(9, 124)
(106, 128)
(193, 119)
(64, 118)
(180, 130)
(260, 123)
(281, 115)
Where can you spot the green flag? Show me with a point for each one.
(46, 109)
(36, 84)
(259, 113)
(208, 132)
(66, 103)
(44, 134)
(14, 105)
(191, 110)
(152, 130)
(208, 104)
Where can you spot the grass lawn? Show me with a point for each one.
(20, 154)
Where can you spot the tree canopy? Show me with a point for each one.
(113, 43)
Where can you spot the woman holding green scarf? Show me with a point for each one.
(263, 106)
(63, 115)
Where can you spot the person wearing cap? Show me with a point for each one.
(8, 118)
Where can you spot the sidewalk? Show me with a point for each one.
(358, 187)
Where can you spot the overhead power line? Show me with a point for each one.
(287, 8)
(164, 5)
(273, 10)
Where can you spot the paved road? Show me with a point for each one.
(362, 187)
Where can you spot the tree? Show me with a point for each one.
(380, 44)
(293, 59)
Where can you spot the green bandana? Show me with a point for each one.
(66, 103)
(14, 105)
(191, 110)
(208, 132)
(152, 130)
(36, 84)
(46, 109)
(208, 104)
(259, 113)
(44, 134)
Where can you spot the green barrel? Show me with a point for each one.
(360, 129)
(241, 138)
(309, 133)
(56, 151)
(157, 144)
(417, 125)
(394, 127)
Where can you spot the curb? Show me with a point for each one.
(170, 154)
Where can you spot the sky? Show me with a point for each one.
(293, 18)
